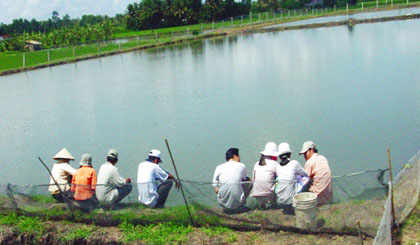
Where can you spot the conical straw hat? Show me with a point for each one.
(63, 154)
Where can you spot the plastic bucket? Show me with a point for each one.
(305, 205)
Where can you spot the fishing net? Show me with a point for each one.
(360, 196)
(406, 191)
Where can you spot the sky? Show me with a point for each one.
(42, 9)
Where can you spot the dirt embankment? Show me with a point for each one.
(60, 233)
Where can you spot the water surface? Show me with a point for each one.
(360, 16)
(354, 92)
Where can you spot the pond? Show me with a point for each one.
(354, 92)
(359, 16)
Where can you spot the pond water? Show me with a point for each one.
(360, 16)
(354, 92)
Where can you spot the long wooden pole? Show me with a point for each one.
(179, 181)
(392, 190)
(59, 188)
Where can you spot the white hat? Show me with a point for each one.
(155, 153)
(86, 160)
(270, 150)
(113, 153)
(306, 146)
(284, 148)
(63, 154)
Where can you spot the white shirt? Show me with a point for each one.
(108, 180)
(264, 178)
(147, 175)
(228, 178)
(62, 173)
(286, 186)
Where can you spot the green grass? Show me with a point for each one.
(80, 233)
(162, 233)
(16, 60)
(25, 225)
(410, 228)
(227, 233)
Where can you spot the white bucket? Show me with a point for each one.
(305, 210)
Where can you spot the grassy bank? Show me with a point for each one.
(39, 218)
(34, 231)
(410, 231)
(134, 40)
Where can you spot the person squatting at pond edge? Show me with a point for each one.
(83, 183)
(111, 187)
(292, 178)
(264, 175)
(227, 182)
(319, 172)
(149, 172)
(62, 173)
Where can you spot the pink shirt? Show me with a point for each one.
(319, 171)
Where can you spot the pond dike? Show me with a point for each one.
(94, 56)
(349, 22)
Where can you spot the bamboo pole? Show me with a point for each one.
(67, 201)
(392, 190)
(179, 181)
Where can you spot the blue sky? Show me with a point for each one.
(42, 9)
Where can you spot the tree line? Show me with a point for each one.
(58, 31)
(146, 14)
(149, 14)
(63, 36)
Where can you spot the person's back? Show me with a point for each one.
(319, 171)
(84, 183)
(229, 177)
(286, 187)
(148, 174)
(264, 177)
(289, 173)
(105, 190)
(62, 173)
(111, 187)
(84, 180)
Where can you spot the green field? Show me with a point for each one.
(18, 60)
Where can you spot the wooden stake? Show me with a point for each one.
(180, 184)
(392, 190)
(360, 232)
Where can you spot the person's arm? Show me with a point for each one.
(216, 180)
(93, 186)
(73, 184)
(299, 170)
(118, 180)
(69, 170)
(243, 173)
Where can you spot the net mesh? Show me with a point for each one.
(406, 191)
(360, 196)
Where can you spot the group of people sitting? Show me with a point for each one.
(276, 179)
(108, 188)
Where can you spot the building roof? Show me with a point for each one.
(33, 42)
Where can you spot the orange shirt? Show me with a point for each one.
(83, 183)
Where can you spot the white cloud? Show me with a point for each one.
(42, 9)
